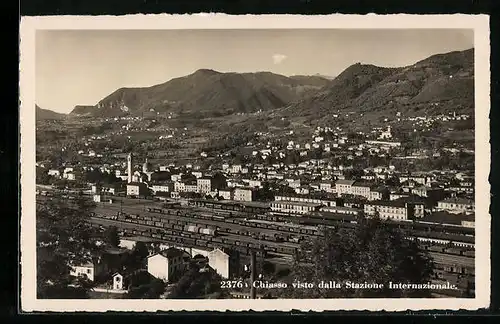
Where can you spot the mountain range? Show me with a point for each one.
(436, 84)
(443, 80)
(46, 114)
(208, 92)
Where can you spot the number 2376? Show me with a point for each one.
(232, 284)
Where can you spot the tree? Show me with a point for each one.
(265, 193)
(373, 253)
(64, 238)
(42, 176)
(112, 237)
(146, 288)
(268, 268)
(135, 260)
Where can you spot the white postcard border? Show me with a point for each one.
(480, 24)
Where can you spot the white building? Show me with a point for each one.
(226, 194)
(219, 261)
(292, 207)
(84, 270)
(244, 194)
(204, 185)
(166, 264)
(343, 186)
(456, 205)
(54, 173)
(137, 189)
(236, 168)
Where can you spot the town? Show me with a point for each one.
(240, 211)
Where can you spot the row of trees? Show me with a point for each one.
(372, 252)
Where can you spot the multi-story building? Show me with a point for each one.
(307, 199)
(456, 205)
(179, 186)
(327, 186)
(166, 264)
(360, 189)
(400, 209)
(191, 187)
(112, 189)
(204, 185)
(162, 187)
(292, 207)
(376, 194)
(135, 189)
(226, 194)
(343, 186)
(341, 210)
(244, 194)
(221, 262)
(236, 168)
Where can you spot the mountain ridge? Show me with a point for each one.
(46, 114)
(436, 84)
(446, 79)
(207, 92)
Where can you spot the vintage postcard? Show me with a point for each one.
(213, 162)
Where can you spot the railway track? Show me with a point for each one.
(197, 240)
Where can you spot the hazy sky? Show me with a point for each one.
(82, 67)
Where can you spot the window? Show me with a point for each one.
(89, 271)
(117, 279)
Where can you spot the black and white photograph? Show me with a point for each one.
(247, 166)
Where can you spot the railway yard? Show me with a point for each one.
(272, 236)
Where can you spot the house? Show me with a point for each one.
(456, 205)
(293, 183)
(220, 262)
(54, 173)
(244, 194)
(361, 189)
(226, 194)
(343, 186)
(112, 189)
(377, 194)
(135, 189)
(162, 187)
(340, 210)
(179, 186)
(292, 207)
(400, 209)
(236, 168)
(166, 264)
(191, 187)
(253, 183)
(468, 221)
(87, 270)
(303, 190)
(69, 176)
(127, 244)
(326, 186)
(296, 198)
(434, 194)
(204, 185)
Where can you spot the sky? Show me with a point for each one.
(81, 67)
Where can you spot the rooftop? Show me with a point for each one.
(458, 201)
(345, 182)
(443, 217)
(171, 253)
(296, 203)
